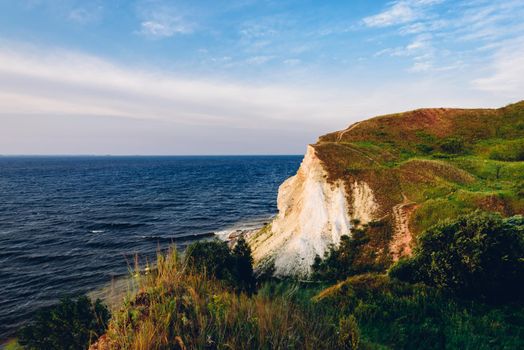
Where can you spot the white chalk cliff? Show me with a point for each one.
(313, 214)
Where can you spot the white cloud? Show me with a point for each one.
(46, 88)
(155, 29)
(439, 44)
(506, 72)
(165, 27)
(162, 21)
(63, 82)
(86, 15)
(292, 61)
(400, 12)
(259, 59)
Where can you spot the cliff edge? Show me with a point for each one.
(401, 172)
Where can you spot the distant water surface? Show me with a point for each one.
(68, 224)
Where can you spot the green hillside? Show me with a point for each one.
(448, 161)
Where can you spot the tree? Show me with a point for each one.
(244, 265)
(476, 255)
(70, 325)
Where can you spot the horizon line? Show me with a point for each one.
(149, 155)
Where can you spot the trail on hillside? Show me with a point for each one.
(401, 243)
(341, 133)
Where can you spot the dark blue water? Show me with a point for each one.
(67, 224)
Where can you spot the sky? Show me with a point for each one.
(206, 77)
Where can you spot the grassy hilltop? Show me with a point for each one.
(449, 161)
(443, 162)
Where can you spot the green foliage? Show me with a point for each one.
(476, 255)
(243, 266)
(211, 257)
(214, 258)
(511, 151)
(179, 308)
(349, 334)
(13, 345)
(396, 315)
(432, 211)
(405, 270)
(453, 145)
(338, 262)
(424, 148)
(72, 324)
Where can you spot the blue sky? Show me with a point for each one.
(241, 76)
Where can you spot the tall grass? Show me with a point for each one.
(396, 315)
(176, 308)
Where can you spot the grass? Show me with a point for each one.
(176, 308)
(394, 315)
(12, 345)
(448, 161)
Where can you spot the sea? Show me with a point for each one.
(71, 225)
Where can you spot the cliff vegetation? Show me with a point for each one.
(401, 232)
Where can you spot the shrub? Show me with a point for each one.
(424, 148)
(214, 258)
(477, 255)
(338, 262)
(243, 266)
(349, 334)
(512, 151)
(453, 145)
(72, 324)
(395, 315)
(405, 270)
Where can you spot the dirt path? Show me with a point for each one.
(401, 243)
(341, 133)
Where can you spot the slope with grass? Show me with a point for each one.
(408, 170)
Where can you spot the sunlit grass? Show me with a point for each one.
(176, 308)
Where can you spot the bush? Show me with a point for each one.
(349, 334)
(424, 148)
(243, 266)
(72, 324)
(453, 145)
(405, 270)
(235, 267)
(512, 151)
(212, 257)
(395, 315)
(477, 255)
(338, 262)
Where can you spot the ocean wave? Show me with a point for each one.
(243, 227)
(101, 227)
(186, 237)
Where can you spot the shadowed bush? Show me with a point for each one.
(476, 255)
(214, 258)
(70, 325)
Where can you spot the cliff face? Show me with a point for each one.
(400, 170)
(313, 214)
